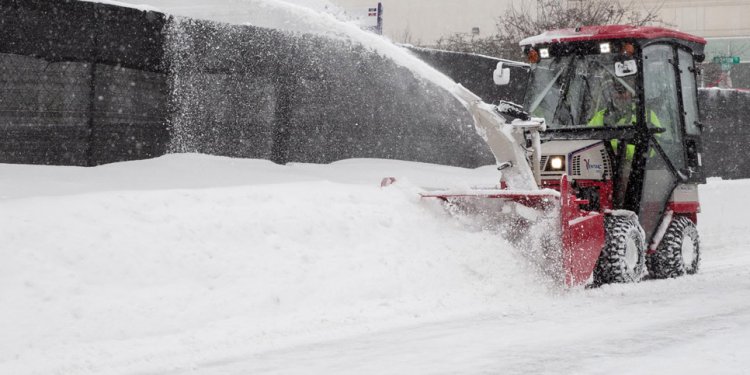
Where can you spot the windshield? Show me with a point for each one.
(581, 90)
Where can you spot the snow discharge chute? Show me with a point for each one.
(505, 140)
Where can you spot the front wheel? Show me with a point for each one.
(679, 251)
(623, 257)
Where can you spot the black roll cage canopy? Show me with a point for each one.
(639, 134)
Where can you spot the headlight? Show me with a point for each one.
(555, 163)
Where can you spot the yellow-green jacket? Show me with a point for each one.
(598, 120)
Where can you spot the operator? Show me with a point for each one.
(622, 111)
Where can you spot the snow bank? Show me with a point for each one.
(159, 264)
(212, 265)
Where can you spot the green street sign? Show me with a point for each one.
(726, 60)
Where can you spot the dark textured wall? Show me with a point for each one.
(88, 83)
(252, 92)
(85, 84)
(70, 30)
(82, 83)
(44, 110)
(475, 73)
(726, 134)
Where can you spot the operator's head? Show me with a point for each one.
(621, 96)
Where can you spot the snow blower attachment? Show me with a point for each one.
(609, 150)
(579, 233)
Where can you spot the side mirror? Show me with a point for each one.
(626, 68)
(501, 75)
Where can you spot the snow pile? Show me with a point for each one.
(129, 267)
(210, 265)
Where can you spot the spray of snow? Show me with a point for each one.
(326, 24)
(314, 17)
(125, 4)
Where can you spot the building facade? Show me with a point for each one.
(724, 23)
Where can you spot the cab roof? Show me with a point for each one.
(609, 32)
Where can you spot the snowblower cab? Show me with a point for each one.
(633, 89)
(616, 148)
(620, 104)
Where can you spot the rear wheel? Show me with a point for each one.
(623, 258)
(679, 251)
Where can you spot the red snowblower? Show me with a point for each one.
(607, 146)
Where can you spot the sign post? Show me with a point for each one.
(726, 62)
(380, 19)
(370, 18)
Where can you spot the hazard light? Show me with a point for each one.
(533, 56)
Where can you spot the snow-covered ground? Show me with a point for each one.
(209, 265)
(191, 264)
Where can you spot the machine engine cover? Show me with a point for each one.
(584, 160)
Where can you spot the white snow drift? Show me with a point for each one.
(217, 265)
